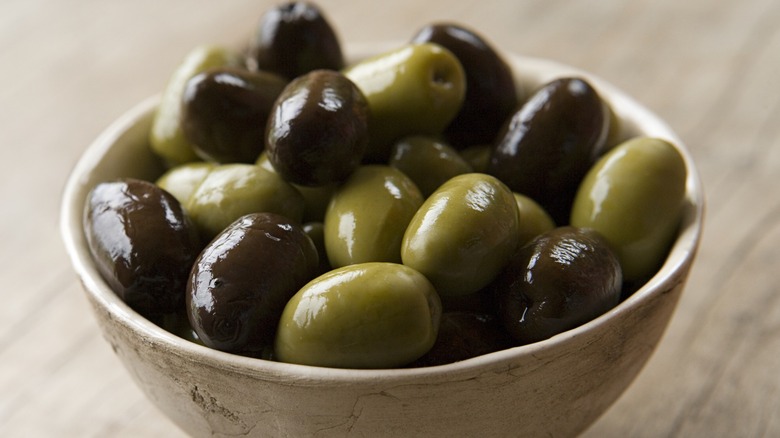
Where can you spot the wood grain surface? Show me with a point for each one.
(710, 68)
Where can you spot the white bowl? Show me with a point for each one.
(556, 387)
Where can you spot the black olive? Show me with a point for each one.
(242, 280)
(318, 129)
(560, 280)
(295, 38)
(143, 244)
(463, 335)
(225, 110)
(548, 145)
(491, 95)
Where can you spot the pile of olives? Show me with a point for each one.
(410, 209)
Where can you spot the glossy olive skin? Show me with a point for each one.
(491, 95)
(464, 234)
(427, 161)
(533, 219)
(142, 243)
(182, 180)
(369, 315)
(242, 280)
(416, 89)
(560, 280)
(634, 197)
(224, 113)
(318, 129)
(316, 232)
(167, 137)
(550, 143)
(368, 215)
(293, 39)
(463, 335)
(230, 191)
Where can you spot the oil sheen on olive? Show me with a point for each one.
(230, 191)
(634, 196)
(369, 315)
(224, 112)
(318, 129)
(166, 137)
(464, 234)
(242, 280)
(463, 335)
(427, 161)
(416, 89)
(368, 215)
(295, 38)
(491, 95)
(560, 280)
(550, 143)
(142, 242)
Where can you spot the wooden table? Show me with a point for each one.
(711, 68)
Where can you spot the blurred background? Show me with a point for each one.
(710, 68)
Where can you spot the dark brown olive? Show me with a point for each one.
(316, 232)
(242, 280)
(293, 39)
(142, 243)
(224, 113)
(318, 129)
(549, 144)
(463, 335)
(491, 95)
(558, 281)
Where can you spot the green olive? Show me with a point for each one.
(230, 191)
(167, 137)
(634, 196)
(427, 161)
(463, 234)
(315, 199)
(182, 180)
(368, 214)
(478, 156)
(534, 220)
(415, 89)
(370, 315)
(316, 232)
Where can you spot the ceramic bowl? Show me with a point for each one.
(556, 387)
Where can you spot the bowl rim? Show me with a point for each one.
(533, 70)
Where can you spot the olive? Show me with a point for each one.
(367, 216)
(427, 161)
(414, 89)
(491, 96)
(315, 199)
(182, 180)
(293, 39)
(166, 137)
(178, 323)
(230, 191)
(142, 243)
(463, 234)
(560, 280)
(224, 113)
(242, 280)
(318, 129)
(533, 219)
(369, 315)
(634, 197)
(550, 143)
(478, 156)
(316, 232)
(463, 335)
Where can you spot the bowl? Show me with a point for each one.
(556, 387)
